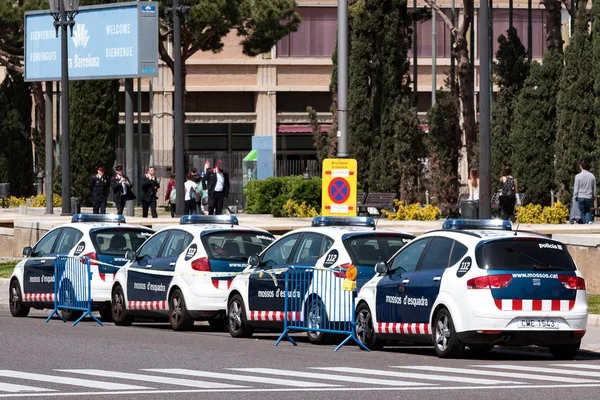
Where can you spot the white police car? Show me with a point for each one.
(331, 242)
(476, 284)
(104, 238)
(184, 272)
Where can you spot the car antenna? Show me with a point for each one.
(517, 229)
(377, 221)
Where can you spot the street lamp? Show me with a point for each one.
(64, 12)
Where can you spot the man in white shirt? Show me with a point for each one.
(218, 188)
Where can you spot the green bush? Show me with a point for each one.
(269, 196)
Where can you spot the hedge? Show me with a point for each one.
(269, 196)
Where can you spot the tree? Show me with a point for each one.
(510, 70)
(596, 71)
(533, 132)
(575, 134)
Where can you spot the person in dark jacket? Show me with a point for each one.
(218, 188)
(121, 188)
(149, 188)
(99, 189)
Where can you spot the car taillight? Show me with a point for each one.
(572, 282)
(342, 272)
(489, 282)
(201, 264)
(92, 256)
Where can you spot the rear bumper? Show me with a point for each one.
(522, 338)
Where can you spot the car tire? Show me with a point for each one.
(69, 300)
(118, 308)
(480, 349)
(315, 319)
(237, 324)
(218, 323)
(70, 315)
(105, 313)
(445, 340)
(17, 308)
(365, 330)
(178, 316)
(565, 352)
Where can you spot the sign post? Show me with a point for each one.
(339, 187)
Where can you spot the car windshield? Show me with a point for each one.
(526, 254)
(371, 248)
(235, 245)
(117, 241)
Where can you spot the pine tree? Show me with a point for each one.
(575, 129)
(533, 132)
(596, 72)
(511, 70)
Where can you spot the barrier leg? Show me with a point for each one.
(286, 335)
(85, 314)
(352, 337)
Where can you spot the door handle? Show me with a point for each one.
(405, 281)
(42, 261)
(437, 278)
(172, 264)
(148, 266)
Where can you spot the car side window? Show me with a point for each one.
(437, 254)
(309, 249)
(458, 252)
(408, 258)
(327, 243)
(177, 242)
(279, 253)
(68, 239)
(45, 245)
(152, 247)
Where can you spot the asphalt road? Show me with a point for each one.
(55, 360)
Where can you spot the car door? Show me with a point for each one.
(266, 288)
(391, 299)
(38, 272)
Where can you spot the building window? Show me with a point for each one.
(316, 34)
(520, 21)
(424, 37)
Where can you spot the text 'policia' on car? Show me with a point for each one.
(103, 238)
(476, 284)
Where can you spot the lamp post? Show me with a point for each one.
(177, 11)
(64, 12)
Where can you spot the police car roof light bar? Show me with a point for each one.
(208, 219)
(368, 222)
(494, 224)
(114, 218)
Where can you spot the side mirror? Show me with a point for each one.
(253, 261)
(131, 255)
(381, 267)
(27, 251)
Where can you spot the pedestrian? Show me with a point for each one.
(99, 189)
(202, 200)
(121, 189)
(508, 194)
(218, 188)
(149, 188)
(171, 196)
(474, 185)
(584, 193)
(191, 194)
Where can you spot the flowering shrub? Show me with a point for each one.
(535, 214)
(293, 209)
(412, 212)
(34, 201)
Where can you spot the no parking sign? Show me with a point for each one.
(339, 187)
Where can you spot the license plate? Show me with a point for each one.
(538, 323)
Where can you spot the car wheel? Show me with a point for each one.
(365, 331)
(118, 308)
(237, 324)
(317, 318)
(178, 315)
(70, 315)
(70, 299)
(565, 352)
(105, 313)
(445, 340)
(17, 308)
(218, 323)
(480, 349)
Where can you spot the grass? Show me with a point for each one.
(6, 268)
(593, 304)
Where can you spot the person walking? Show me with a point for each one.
(99, 189)
(121, 189)
(584, 193)
(171, 196)
(474, 185)
(191, 194)
(149, 188)
(218, 188)
(508, 195)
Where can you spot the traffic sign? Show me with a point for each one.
(339, 187)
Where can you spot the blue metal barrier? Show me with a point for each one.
(72, 287)
(315, 301)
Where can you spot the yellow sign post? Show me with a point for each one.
(339, 187)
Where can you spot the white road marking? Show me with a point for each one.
(339, 378)
(69, 381)
(501, 373)
(243, 378)
(577, 365)
(152, 378)
(12, 388)
(405, 375)
(544, 370)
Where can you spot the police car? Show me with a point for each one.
(476, 284)
(256, 300)
(104, 238)
(184, 272)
